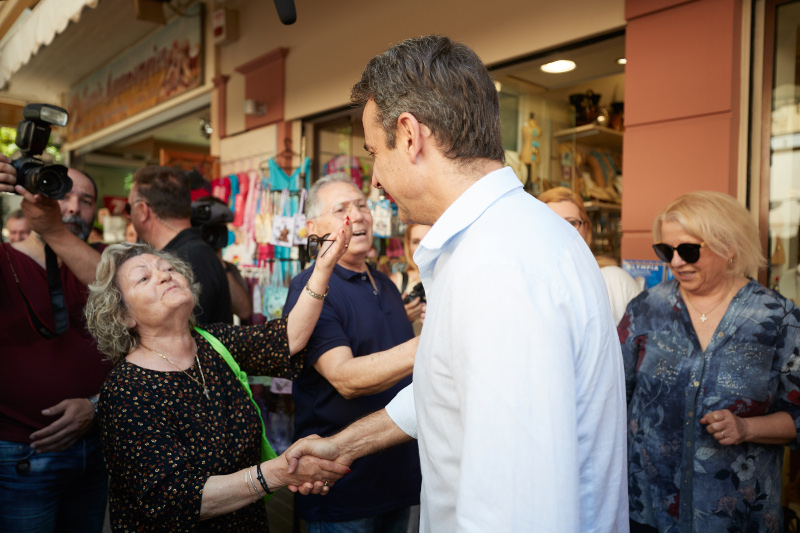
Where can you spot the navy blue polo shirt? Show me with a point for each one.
(354, 315)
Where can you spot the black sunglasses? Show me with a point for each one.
(315, 243)
(689, 252)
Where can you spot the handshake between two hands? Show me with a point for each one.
(314, 464)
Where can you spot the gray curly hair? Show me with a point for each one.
(106, 310)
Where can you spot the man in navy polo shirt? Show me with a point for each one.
(351, 372)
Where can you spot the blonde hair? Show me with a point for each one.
(723, 223)
(106, 310)
(563, 194)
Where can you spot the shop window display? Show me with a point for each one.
(784, 162)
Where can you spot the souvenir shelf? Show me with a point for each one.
(605, 215)
(590, 134)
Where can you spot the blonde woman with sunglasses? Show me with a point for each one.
(712, 374)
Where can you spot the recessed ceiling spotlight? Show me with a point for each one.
(622, 61)
(557, 67)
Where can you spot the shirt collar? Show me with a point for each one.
(347, 274)
(468, 207)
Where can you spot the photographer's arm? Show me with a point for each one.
(44, 216)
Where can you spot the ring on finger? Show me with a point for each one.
(722, 433)
(326, 483)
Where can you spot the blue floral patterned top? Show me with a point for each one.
(680, 479)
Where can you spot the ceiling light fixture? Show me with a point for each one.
(498, 86)
(557, 67)
(622, 61)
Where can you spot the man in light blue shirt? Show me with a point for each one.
(518, 399)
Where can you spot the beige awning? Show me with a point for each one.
(48, 19)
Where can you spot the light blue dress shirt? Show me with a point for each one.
(518, 381)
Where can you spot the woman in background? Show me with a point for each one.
(622, 288)
(407, 282)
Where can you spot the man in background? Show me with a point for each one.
(17, 226)
(348, 373)
(51, 468)
(160, 208)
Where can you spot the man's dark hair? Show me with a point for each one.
(16, 214)
(166, 191)
(445, 86)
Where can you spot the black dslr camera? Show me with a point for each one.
(33, 133)
(417, 292)
(210, 215)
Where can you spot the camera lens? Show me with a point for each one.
(51, 181)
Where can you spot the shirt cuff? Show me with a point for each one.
(403, 412)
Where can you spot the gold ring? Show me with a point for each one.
(325, 484)
(722, 433)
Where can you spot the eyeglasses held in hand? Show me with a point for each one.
(689, 252)
(342, 209)
(315, 243)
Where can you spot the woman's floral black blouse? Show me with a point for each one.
(162, 439)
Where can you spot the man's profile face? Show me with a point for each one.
(77, 207)
(18, 229)
(390, 170)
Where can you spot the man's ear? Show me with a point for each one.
(144, 211)
(311, 226)
(410, 135)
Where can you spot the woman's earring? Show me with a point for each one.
(730, 261)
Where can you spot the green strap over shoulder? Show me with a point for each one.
(267, 452)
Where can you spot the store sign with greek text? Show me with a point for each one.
(164, 65)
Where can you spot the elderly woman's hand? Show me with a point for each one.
(328, 257)
(8, 175)
(726, 427)
(310, 475)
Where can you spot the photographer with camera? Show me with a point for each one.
(160, 207)
(51, 469)
(349, 371)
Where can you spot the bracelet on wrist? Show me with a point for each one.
(255, 498)
(262, 480)
(315, 295)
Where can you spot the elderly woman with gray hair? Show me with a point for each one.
(182, 438)
(712, 373)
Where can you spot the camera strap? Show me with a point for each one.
(57, 299)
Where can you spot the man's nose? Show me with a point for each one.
(354, 212)
(73, 205)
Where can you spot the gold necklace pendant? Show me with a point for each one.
(199, 365)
